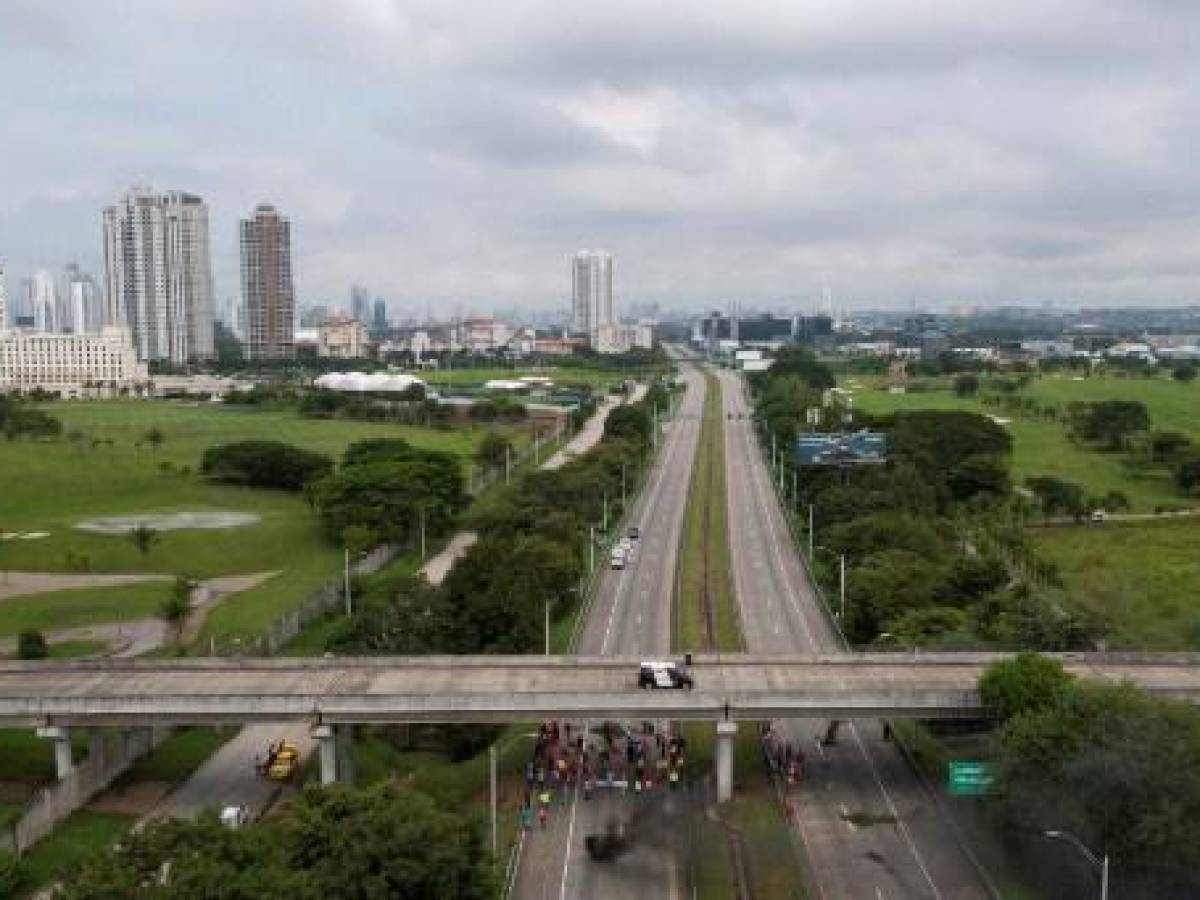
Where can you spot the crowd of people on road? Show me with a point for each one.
(569, 760)
(785, 759)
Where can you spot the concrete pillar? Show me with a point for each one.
(327, 750)
(64, 764)
(724, 759)
(345, 754)
(96, 745)
(831, 733)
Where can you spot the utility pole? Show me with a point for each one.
(547, 627)
(492, 793)
(507, 463)
(842, 566)
(591, 548)
(810, 533)
(347, 572)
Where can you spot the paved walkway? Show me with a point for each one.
(13, 584)
(438, 567)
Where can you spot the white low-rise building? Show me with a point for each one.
(69, 364)
(342, 337)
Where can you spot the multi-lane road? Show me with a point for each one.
(910, 851)
(630, 614)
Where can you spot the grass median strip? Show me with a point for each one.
(706, 617)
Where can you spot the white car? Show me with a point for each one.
(618, 559)
(656, 674)
(235, 816)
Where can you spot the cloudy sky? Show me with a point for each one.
(897, 151)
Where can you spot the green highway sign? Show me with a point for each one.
(966, 778)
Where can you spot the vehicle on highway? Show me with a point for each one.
(618, 558)
(281, 762)
(235, 816)
(667, 675)
(634, 532)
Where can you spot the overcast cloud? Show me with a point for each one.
(1016, 150)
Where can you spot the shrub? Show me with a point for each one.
(32, 645)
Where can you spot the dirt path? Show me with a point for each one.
(13, 584)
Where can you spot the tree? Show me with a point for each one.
(384, 841)
(493, 450)
(264, 464)
(1028, 683)
(1168, 446)
(31, 644)
(1184, 372)
(1058, 496)
(144, 538)
(175, 606)
(1110, 422)
(12, 875)
(1187, 474)
(966, 385)
(154, 437)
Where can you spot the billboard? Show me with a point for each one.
(862, 447)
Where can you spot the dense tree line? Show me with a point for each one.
(915, 571)
(1109, 763)
(386, 841)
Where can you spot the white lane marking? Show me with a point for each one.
(562, 891)
(820, 748)
(887, 798)
(846, 818)
(878, 893)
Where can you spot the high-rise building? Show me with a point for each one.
(3, 299)
(360, 304)
(379, 323)
(80, 307)
(268, 296)
(41, 302)
(592, 310)
(158, 278)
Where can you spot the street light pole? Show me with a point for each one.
(547, 627)
(1098, 862)
(842, 567)
(810, 533)
(347, 573)
(591, 548)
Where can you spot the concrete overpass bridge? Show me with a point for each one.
(330, 693)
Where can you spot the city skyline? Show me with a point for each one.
(1012, 153)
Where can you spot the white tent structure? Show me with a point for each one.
(372, 382)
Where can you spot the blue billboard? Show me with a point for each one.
(841, 449)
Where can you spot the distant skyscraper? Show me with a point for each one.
(268, 296)
(379, 324)
(592, 291)
(360, 304)
(158, 279)
(3, 299)
(80, 308)
(42, 302)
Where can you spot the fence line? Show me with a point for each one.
(111, 753)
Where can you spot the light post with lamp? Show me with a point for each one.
(1100, 863)
(841, 581)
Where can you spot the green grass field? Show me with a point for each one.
(1173, 405)
(1042, 448)
(470, 377)
(52, 486)
(1138, 578)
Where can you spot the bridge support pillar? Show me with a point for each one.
(345, 754)
(724, 759)
(64, 764)
(831, 733)
(326, 739)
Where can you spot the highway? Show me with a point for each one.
(630, 614)
(912, 851)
